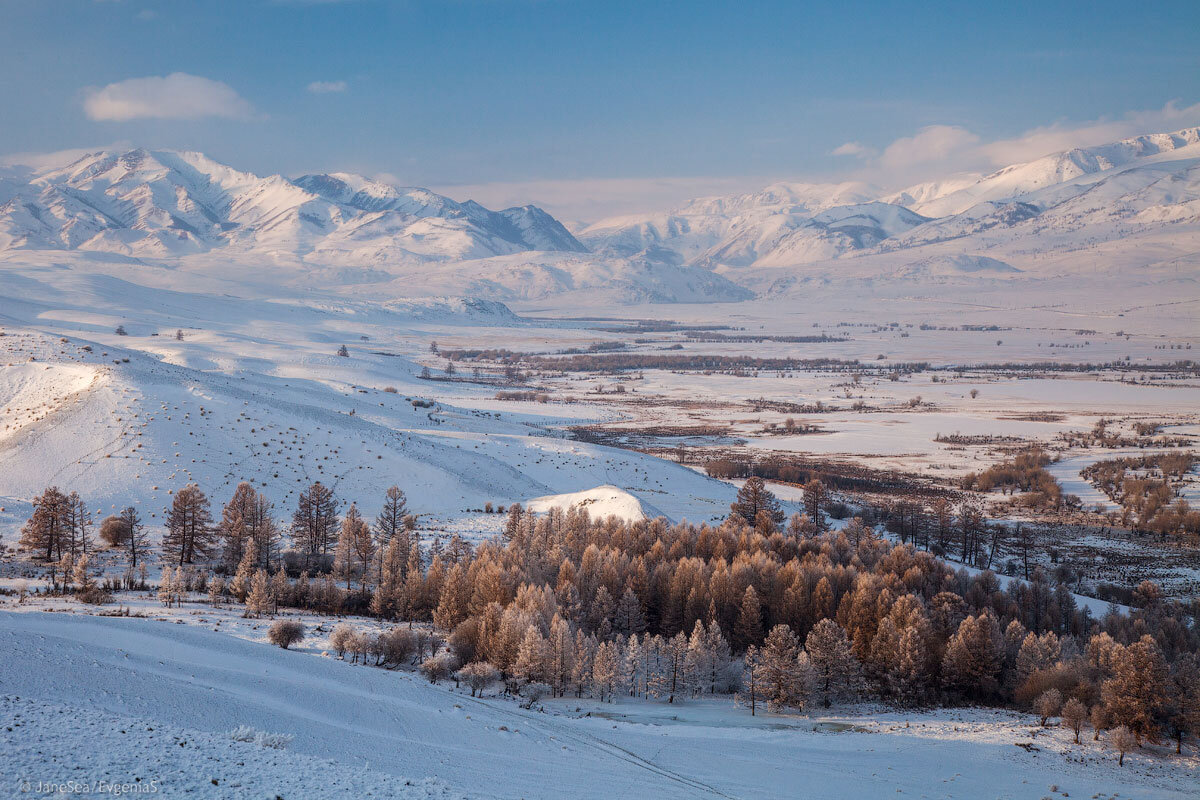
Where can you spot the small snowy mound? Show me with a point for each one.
(957, 264)
(603, 501)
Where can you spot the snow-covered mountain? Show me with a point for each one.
(1057, 168)
(785, 223)
(1132, 205)
(163, 203)
(1072, 203)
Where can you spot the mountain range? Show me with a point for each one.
(1127, 205)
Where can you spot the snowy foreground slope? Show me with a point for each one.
(81, 695)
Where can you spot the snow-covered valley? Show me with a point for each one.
(167, 321)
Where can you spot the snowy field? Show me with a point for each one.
(131, 689)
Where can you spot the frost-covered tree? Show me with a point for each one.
(165, 587)
(749, 628)
(354, 547)
(751, 673)
(835, 669)
(784, 671)
(708, 658)
(974, 656)
(1124, 740)
(533, 657)
(628, 617)
(1047, 705)
(1074, 715)
(605, 670)
(258, 602)
(1135, 695)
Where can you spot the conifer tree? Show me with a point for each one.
(189, 534)
(754, 497)
(749, 629)
(835, 670)
(239, 587)
(258, 602)
(315, 521)
(1135, 695)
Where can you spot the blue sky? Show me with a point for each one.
(562, 98)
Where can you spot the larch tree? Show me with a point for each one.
(189, 535)
(628, 617)
(258, 602)
(751, 673)
(78, 524)
(835, 669)
(784, 671)
(909, 674)
(390, 521)
(239, 587)
(753, 498)
(136, 543)
(974, 656)
(45, 534)
(605, 670)
(1135, 695)
(749, 628)
(315, 521)
(814, 503)
(1183, 705)
(354, 541)
(532, 657)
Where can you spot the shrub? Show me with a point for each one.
(397, 646)
(276, 741)
(285, 633)
(1048, 704)
(340, 639)
(478, 676)
(438, 668)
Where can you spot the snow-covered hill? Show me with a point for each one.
(89, 698)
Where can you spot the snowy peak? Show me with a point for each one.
(1018, 180)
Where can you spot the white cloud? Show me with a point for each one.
(1048, 139)
(175, 96)
(936, 143)
(326, 87)
(941, 150)
(856, 149)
